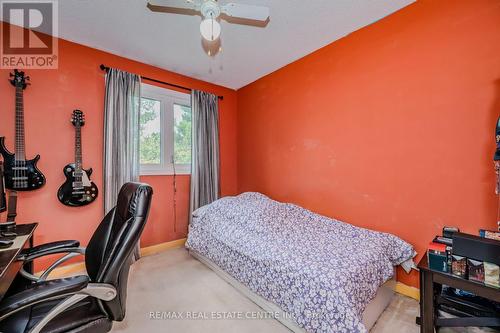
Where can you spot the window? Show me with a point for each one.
(165, 131)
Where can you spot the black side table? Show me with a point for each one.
(430, 287)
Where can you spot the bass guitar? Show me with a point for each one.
(20, 174)
(77, 190)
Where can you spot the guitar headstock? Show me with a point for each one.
(18, 79)
(78, 118)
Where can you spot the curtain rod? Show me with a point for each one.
(106, 69)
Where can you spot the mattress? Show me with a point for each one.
(321, 272)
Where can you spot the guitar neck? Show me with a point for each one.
(19, 144)
(78, 149)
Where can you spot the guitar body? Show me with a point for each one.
(20, 175)
(80, 195)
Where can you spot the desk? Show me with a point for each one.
(430, 286)
(9, 266)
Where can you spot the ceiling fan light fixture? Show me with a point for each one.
(210, 29)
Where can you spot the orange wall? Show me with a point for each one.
(389, 128)
(79, 83)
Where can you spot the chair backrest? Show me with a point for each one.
(110, 251)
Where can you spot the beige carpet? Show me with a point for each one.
(166, 288)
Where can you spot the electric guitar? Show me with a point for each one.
(20, 174)
(77, 190)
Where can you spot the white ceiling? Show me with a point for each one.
(173, 42)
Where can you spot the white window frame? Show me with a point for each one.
(168, 98)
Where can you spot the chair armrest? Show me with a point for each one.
(50, 247)
(43, 291)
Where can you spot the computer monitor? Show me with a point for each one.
(3, 201)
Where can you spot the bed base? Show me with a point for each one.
(372, 312)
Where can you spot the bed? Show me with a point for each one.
(318, 273)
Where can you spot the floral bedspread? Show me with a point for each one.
(319, 271)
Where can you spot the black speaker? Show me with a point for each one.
(3, 201)
(475, 247)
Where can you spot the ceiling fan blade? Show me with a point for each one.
(186, 7)
(249, 12)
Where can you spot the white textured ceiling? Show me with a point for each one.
(173, 42)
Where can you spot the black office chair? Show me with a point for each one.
(84, 303)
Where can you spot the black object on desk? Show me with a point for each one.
(431, 283)
(11, 212)
(476, 247)
(3, 201)
(7, 228)
(6, 243)
(12, 206)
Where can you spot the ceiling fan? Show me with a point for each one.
(211, 10)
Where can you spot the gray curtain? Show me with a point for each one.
(205, 149)
(121, 133)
